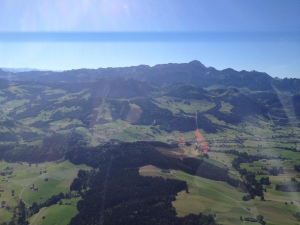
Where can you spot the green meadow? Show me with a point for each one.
(60, 176)
(56, 214)
(226, 202)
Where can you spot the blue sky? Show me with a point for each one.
(61, 35)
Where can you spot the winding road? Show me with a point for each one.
(221, 194)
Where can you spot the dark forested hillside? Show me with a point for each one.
(117, 194)
(124, 197)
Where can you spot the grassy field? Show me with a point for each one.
(225, 201)
(226, 107)
(60, 176)
(255, 135)
(56, 214)
(258, 134)
(175, 106)
(59, 214)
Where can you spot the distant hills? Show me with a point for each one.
(193, 72)
(18, 70)
(237, 127)
(168, 98)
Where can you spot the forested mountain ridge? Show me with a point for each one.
(235, 133)
(193, 72)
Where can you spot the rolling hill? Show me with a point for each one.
(237, 133)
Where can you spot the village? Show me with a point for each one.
(6, 172)
(34, 182)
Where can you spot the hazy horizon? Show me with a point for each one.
(256, 35)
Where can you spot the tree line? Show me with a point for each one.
(115, 193)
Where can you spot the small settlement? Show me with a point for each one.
(5, 205)
(32, 187)
(252, 220)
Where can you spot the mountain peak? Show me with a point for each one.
(196, 63)
(229, 71)
(2, 71)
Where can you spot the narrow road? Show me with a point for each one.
(196, 117)
(228, 197)
(221, 194)
(37, 216)
(20, 195)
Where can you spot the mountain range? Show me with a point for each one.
(236, 132)
(194, 73)
(32, 107)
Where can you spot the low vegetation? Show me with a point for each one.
(78, 153)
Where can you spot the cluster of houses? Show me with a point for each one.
(252, 220)
(4, 205)
(7, 171)
(6, 178)
(32, 187)
(181, 141)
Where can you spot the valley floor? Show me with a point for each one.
(59, 177)
(226, 201)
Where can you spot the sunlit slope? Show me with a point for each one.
(225, 201)
(102, 110)
(59, 177)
